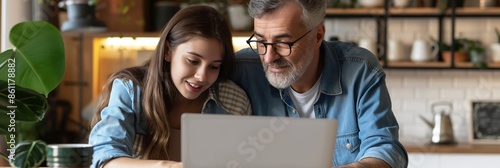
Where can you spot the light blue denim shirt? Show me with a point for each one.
(352, 90)
(122, 122)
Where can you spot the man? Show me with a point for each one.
(301, 75)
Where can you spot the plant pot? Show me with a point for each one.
(477, 57)
(459, 56)
(81, 17)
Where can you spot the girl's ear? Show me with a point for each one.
(168, 58)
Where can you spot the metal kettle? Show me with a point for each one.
(442, 128)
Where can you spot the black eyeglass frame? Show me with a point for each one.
(290, 44)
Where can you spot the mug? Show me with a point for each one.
(368, 44)
(395, 51)
(422, 52)
(495, 52)
(401, 3)
(69, 155)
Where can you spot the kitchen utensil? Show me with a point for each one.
(401, 3)
(423, 51)
(495, 52)
(371, 3)
(487, 3)
(442, 128)
(368, 44)
(395, 51)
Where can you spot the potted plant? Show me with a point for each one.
(476, 53)
(460, 51)
(28, 74)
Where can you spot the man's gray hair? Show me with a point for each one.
(313, 11)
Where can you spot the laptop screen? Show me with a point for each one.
(210, 140)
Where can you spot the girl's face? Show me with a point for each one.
(195, 65)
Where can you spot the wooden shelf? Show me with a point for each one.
(477, 11)
(451, 148)
(409, 64)
(355, 11)
(470, 65)
(414, 12)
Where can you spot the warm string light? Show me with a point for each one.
(139, 43)
(240, 43)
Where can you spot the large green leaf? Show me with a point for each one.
(38, 57)
(27, 105)
(29, 154)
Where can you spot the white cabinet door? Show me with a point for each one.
(470, 160)
(433, 160)
(423, 160)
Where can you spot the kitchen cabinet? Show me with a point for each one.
(440, 160)
(82, 80)
(454, 155)
(75, 85)
(382, 16)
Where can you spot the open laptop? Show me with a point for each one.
(229, 141)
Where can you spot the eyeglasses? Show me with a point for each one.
(281, 48)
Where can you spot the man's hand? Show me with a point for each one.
(367, 163)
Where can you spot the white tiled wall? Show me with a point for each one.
(414, 91)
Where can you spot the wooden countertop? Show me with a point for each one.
(463, 148)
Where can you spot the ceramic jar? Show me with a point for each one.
(423, 51)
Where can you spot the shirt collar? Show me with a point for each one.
(331, 73)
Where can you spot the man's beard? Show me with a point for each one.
(285, 79)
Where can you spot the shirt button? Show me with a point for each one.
(348, 146)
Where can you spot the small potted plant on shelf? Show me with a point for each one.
(476, 53)
(460, 53)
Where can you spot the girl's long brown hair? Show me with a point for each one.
(158, 91)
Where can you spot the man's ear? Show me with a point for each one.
(320, 33)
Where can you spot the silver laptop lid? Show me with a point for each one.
(254, 141)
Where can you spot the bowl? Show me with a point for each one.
(69, 155)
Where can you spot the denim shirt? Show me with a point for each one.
(122, 123)
(352, 90)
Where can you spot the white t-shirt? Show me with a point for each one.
(304, 102)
